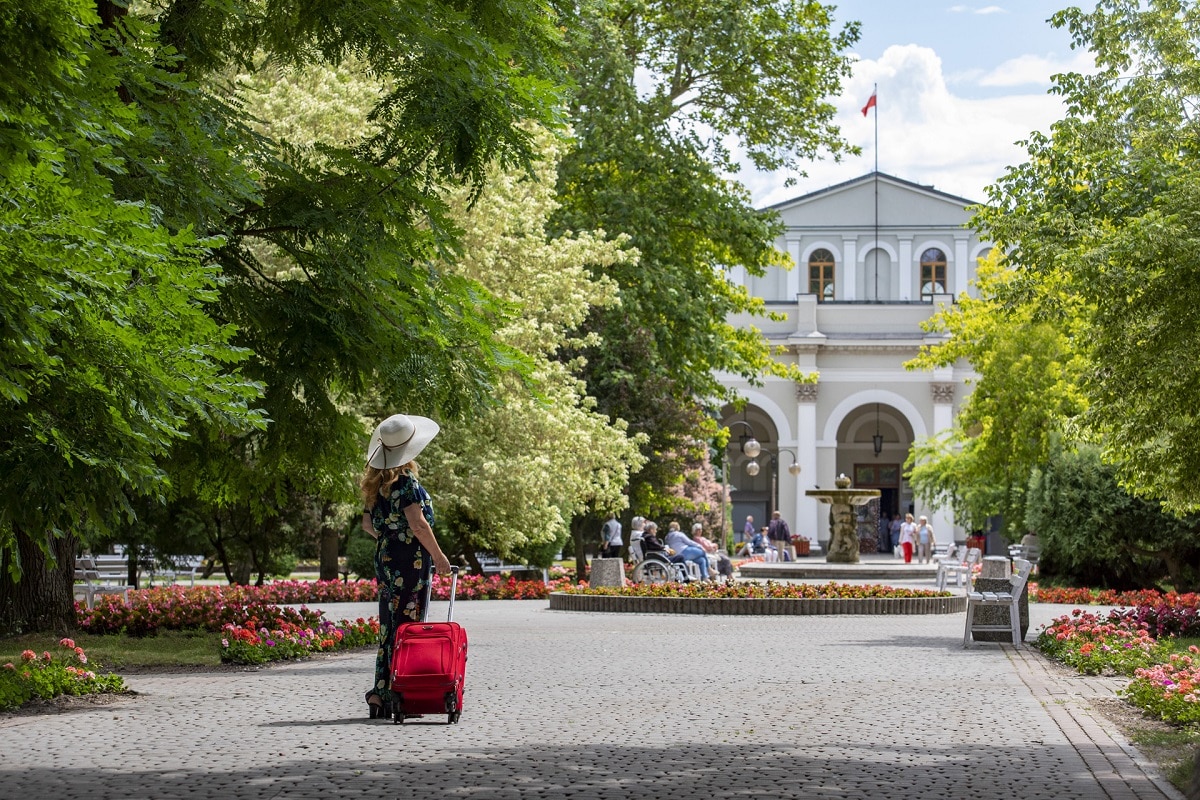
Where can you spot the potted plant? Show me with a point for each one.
(801, 544)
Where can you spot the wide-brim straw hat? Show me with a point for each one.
(399, 439)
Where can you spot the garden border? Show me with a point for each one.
(754, 606)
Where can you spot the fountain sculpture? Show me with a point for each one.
(843, 531)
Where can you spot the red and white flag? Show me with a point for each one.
(870, 104)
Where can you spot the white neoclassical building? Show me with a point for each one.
(875, 257)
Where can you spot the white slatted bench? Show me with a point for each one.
(101, 575)
(1010, 600)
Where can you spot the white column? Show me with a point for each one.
(943, 418)
(794, 276)
(905, 272)
(849, 288)
(807, 516)
(960, 267)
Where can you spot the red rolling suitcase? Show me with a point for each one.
(429, 664)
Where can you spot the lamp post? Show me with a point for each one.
(750, 447)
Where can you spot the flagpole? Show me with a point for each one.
(875, 94)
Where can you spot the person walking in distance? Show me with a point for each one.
(925, 541)
(781, 536)
(908, 537)
(611, 536)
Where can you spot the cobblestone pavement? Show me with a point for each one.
(595, 706)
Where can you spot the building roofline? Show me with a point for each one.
(870, 176)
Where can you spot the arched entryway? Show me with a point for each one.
(753, 479)
(873, 441)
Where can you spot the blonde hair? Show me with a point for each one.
(674, 526)
(375, 480)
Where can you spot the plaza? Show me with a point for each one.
(580, 705)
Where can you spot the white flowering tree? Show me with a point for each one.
(511, 478)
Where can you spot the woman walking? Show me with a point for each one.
(398, 514)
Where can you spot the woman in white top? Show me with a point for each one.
(908, 537)
(925, 540)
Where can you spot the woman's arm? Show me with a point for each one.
(424, 533)
(368, 527)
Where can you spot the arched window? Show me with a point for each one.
(933, 272)
(820, 274)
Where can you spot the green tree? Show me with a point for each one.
(108, 349)
(1103, 223)
(158, 239)
(1022, 403)
(1093, 533)
(661, 88)
(512, 479)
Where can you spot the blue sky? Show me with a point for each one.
(959, 84)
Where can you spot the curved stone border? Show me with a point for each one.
(562, 601)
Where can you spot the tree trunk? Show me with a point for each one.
(330, 542)
(578, 526)
(43, 599)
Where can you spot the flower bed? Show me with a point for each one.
(48, 677)
(756, 590)
(498, 587)
(1138, 642)
(1109, 597)
(1094, 645)
(1170, 690)
(208, 608)
(252, 644)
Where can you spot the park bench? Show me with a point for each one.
(1009, 600)
(959, 570)
(101, 575)
(173, 567)
(494, 565)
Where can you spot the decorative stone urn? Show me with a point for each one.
(843, 529)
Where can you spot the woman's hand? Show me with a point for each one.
(441, 564)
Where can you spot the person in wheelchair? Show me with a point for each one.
(659, 562)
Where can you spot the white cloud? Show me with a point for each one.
(961, 9)
(1037, 70)
(927, 134)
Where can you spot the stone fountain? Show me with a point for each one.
(843, 529)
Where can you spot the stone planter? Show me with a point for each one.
(871, 606)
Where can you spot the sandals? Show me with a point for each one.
(378, 708)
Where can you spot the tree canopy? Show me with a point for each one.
(1021, 405)
(1103, 229)
(174, 275)
(664, 90)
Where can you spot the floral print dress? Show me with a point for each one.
(402, 568)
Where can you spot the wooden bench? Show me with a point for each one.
(101, 575)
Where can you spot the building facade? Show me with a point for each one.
(875, 258)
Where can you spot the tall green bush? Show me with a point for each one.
(1094, 533)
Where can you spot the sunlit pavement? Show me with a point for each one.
(581, 705)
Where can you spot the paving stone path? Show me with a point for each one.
(597, 706)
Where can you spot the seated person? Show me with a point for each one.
(678, 541)
(769, 553)
(724, 565)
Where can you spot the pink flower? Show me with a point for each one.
(46, 656)
(28, 655)
(68, 643)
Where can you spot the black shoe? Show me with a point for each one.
(376, 708)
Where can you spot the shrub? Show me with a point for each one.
(1093, 645)
(1170, 690)
(48, 677)
(254, 644)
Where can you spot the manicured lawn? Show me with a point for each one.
(113, 653)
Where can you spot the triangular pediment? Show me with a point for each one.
(853, 204)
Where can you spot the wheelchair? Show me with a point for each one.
(656, 567)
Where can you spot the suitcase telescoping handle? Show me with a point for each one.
(429, 594)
